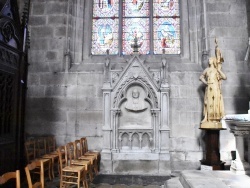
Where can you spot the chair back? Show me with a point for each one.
(62, 158)
(37, 164)
(84, 145)
(50, 144)
(11, 175)
(69, 152)
(78, 151)
(30, 150)
(40, 146)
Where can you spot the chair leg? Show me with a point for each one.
(85, 180)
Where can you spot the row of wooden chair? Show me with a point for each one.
(43, 148)
(77, 163)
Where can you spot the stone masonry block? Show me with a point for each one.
(38, 44)
(174, 120)
(56, 128)
(54, 91)
(184, 129)
(95, 143)
(33, 79)
(185, 165)
(51, 55)
(50, 79)
(35, 103)
(90, 103)
(36, 91)
(56, 66)
(38, 8)
(226, 20)
(237, 7)
(56, 43)
(180, 78)
(225, 32)
(42, 32)
(38, 67)
(90, 118)
(87, 130)
(188, 92)
(218, 7)
(37, 20)
(60, 31)
(47, 115)
(185, 144)
(36, 55)
(90, 79)
(56, 8)
(64, 103)
(57, 20)
(178, 104)
(84, 117)
(84, 91)
(177, 156)
(194, 156)
(174, 92)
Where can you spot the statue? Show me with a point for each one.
(213, 100)
(136, 103)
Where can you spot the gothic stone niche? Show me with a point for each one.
(135, 120)
(135, 126)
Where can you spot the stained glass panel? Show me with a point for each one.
(166, 35)
(135, 27)
(104, 36)
(135, 8)
(169, 8)
(137, 17)
(105, 8)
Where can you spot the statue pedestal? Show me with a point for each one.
(212, 150)
(239, 125)
(211, 125)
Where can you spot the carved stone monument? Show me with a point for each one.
(136, 113)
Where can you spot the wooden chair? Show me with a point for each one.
(85, 151)
(38, 167)
(91, 158)
(51, 153)
(51, 145)
(11, 175)
(40, 146)
(70, 174)
(30, 150)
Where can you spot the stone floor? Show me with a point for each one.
(116, 181)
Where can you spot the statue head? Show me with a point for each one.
(212, 61)
(135, 93)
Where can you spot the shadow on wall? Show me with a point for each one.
(202, 143)
(242, 95)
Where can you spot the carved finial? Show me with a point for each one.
(107, 67)
(135, 45)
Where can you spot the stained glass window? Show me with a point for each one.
(116, 23)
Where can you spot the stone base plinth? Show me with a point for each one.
(206, 165)
(239, 167)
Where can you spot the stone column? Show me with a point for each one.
(164, 128)
(239, 165)
(107, 130)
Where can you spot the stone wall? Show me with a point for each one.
(68, 102)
